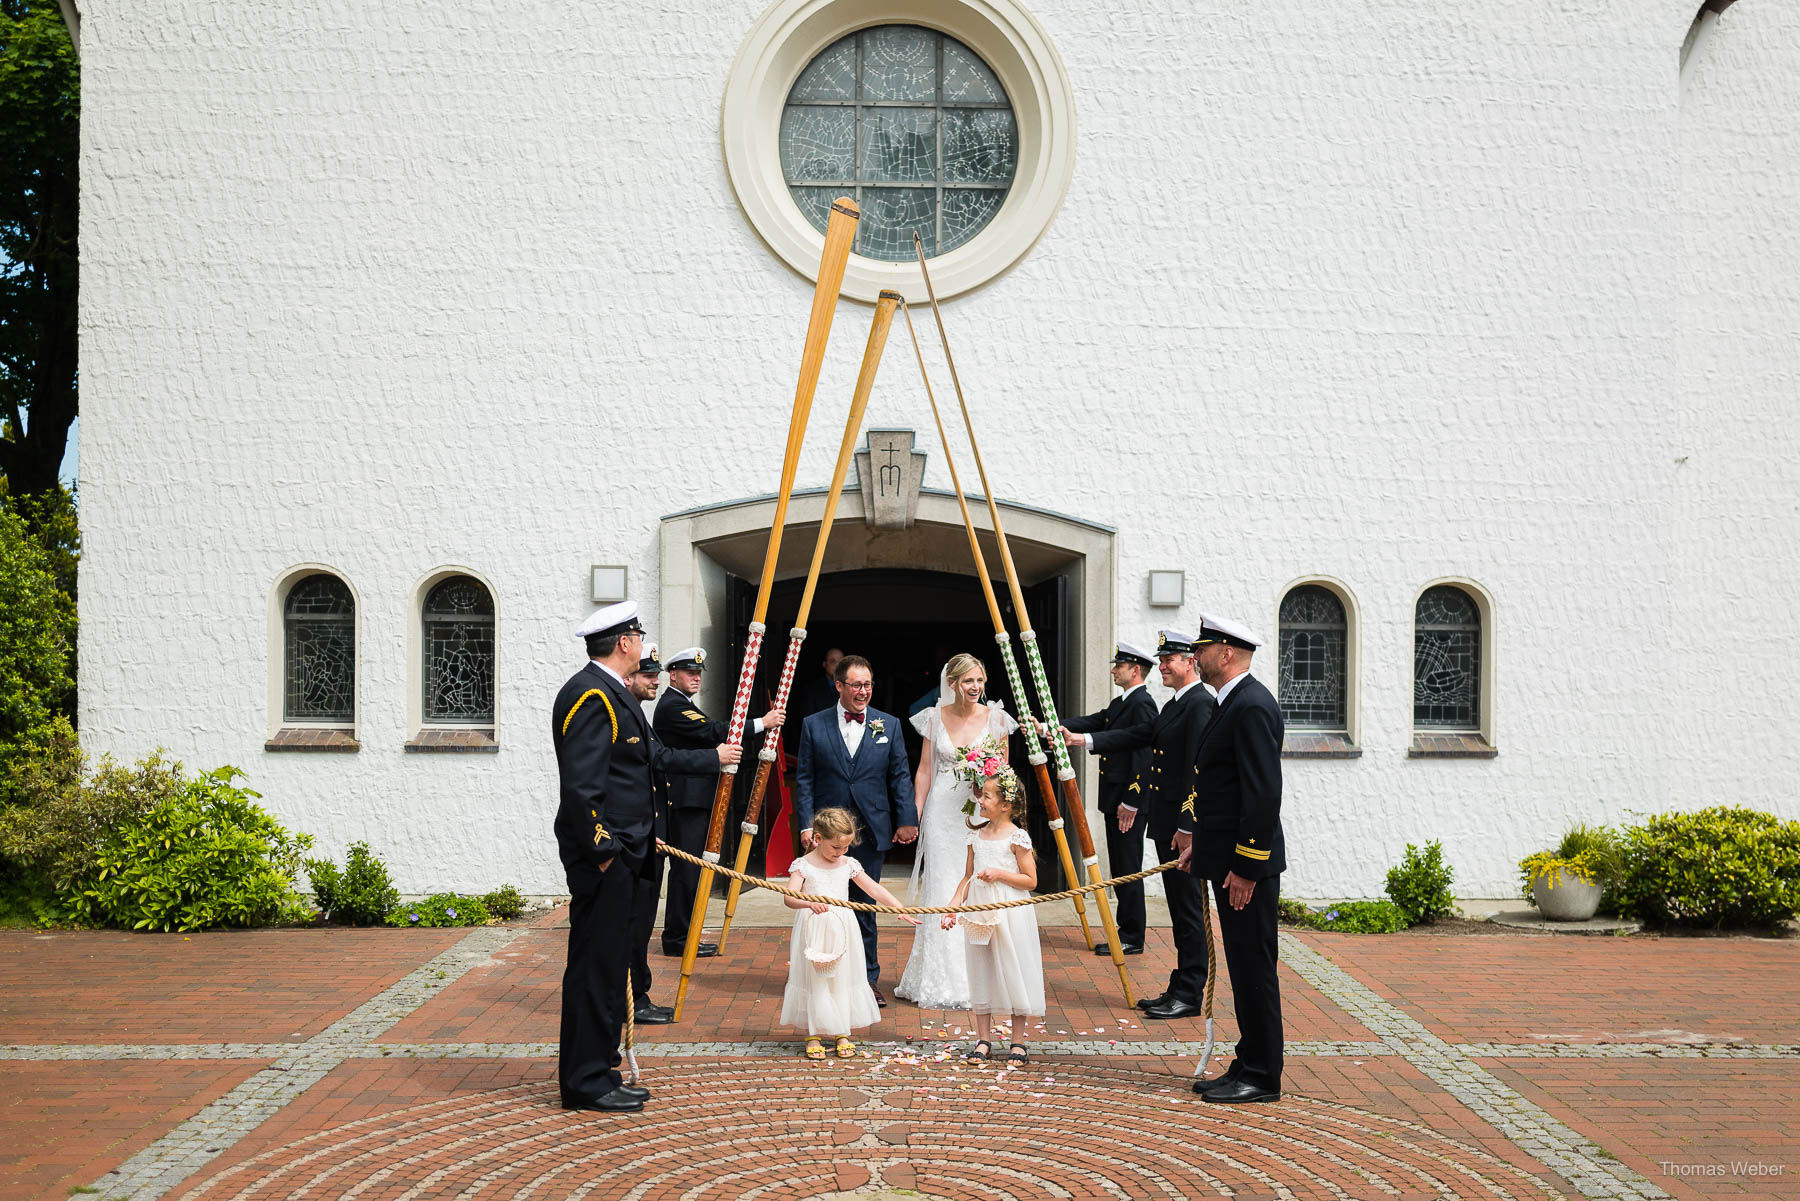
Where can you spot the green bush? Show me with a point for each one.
(1724, 866)
(63, 816)
(1420, 886)
(1346, 917)
(37, 634)
(361, 894)
(207, 856)
(441, 909)
(505, 902)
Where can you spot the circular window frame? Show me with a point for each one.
(791, 33)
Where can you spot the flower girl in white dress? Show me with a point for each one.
(827, 988)
(1006, 967)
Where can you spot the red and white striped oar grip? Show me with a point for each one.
(740, 706)
(796, 636)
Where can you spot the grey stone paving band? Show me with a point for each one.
(761, 1048)
(184, 1150)
(1528, 1126)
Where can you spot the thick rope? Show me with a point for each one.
(1212, 976)
(868, 907)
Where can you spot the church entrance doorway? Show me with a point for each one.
(905, 598)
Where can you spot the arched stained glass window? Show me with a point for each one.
(459, 652)
(1313, 674)
(1446, 660)
(320, 623)
(912, 124)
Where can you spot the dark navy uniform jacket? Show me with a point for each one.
(683, 726)
(603, 761)
(1118, 768)
(1233, 805)
(1171, 739)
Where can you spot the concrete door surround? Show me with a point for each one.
(701, 546)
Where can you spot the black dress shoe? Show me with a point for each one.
(634, 1090)
(1217, 1082)
(1128, 948)
(880, 1000)
(652, 1015)
(1149, 1003)
(1174, 1007)
(617, 1101)
(1239, 1092)
(706, 950)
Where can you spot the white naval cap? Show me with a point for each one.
(621, 618)
(691, 659)
(1131, 652)
(649, 662)
(1174, 642)
(1218, 629)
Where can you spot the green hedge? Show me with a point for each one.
(1724, 866)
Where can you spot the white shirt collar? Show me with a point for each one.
(609, 671)
(1232, 683)
(1131, 690)
(1187, 688)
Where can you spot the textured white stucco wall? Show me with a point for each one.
(1378, 291)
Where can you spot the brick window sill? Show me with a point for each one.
(1318, 744)
(1447, 744)
(453, 742)
(297, 738)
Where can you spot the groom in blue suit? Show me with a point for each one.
(852, 757)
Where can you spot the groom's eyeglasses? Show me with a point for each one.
(870, 687)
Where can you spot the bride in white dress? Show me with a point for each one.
(936, 975)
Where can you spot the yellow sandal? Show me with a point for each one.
(845, 1048)
(814, 1050)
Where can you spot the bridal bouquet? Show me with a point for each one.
(978, 763)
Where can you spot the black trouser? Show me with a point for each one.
(1125, 854)
(1251, 955)
(643, 924)
(594, 993)
(864, 852)
(1187, 916)
(684, 878)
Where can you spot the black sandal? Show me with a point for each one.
(979, 1052)
(1016, 1057)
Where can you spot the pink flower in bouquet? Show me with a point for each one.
(973, 756)
(991, 766)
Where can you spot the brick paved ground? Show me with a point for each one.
(421, 1064)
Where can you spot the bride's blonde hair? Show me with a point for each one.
(961, 665)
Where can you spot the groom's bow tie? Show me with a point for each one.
(849, 716)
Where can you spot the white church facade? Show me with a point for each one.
(1451, 348)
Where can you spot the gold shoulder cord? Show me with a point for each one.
(604, 700)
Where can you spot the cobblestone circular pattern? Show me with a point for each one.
(807, 1131)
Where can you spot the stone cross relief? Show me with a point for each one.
(890, 472)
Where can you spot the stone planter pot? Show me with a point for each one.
(1572, 900)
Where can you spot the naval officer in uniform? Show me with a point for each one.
(1132, 708)
(1158, 792)
(1231, 837)
(682, 725)
(605, 820)
(665, 764)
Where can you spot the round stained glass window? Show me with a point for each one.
(913, 125)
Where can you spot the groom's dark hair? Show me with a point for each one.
(849, 661)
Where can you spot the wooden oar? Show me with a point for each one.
(1033, 658)
(1036, 751)
(840, 231)
(859, 403)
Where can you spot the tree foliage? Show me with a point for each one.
(40, 119)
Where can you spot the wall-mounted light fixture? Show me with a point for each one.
(1166, 588)
(609, 584)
